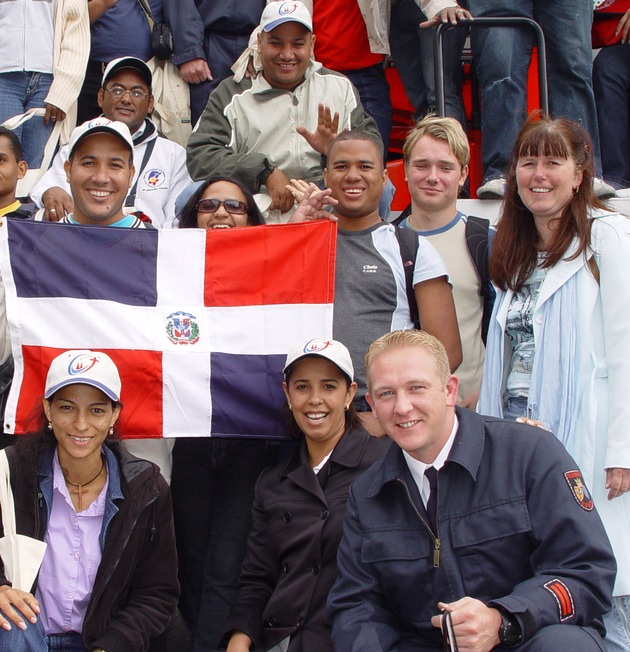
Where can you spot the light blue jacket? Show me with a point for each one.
(581, 375)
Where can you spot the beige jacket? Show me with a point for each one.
(70, 56)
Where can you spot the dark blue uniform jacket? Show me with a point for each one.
(516, 529)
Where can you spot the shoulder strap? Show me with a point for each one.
(131, 197)
(144, 5)
(477, 229)
(477, 243)
(408, 244)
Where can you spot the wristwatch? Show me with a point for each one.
(510, 633)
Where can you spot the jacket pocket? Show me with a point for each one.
(493, 547)
(403, 561)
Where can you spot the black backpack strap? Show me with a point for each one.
(477, 229)
(131, 197)
(404, 215)
(409, 245)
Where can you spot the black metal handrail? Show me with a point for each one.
(513, 21)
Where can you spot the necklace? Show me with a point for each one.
(80, 486)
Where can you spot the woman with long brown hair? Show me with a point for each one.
(559, 348)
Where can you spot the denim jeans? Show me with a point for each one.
(374, 93)
(33, 639)
(514, 407)
(412, 51)
(502, 57)
(20, 91)
(617, 622)
(611, 84)
(213, 489)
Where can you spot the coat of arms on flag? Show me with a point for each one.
(198, 322)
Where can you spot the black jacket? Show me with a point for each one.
(136, 589)
(291, 556)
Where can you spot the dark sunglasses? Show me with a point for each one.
(449, 642)
(232, 206)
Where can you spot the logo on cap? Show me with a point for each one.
(287, 8)
(99, 122)
(81, 364)
(316, 345)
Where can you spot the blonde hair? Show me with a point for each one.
(411, 338)
(447, 129)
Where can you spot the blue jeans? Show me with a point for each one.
(213, 489)
(502, 58)
(412, 51)
(20, 91)
(617, 622)
(611, 83)
(33, 639)
(374, 93)
(514, 407)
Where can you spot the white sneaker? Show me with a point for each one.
(602, 189)
(493, 189)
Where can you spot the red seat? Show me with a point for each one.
(396, 171)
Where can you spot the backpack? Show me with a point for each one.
(477, 237)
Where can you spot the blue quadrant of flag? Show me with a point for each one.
(84, 263)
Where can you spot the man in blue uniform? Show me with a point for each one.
(485, 519)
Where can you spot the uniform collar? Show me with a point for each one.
(466, 451)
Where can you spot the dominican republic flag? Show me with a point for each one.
(198, 322)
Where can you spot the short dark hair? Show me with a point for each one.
(188, 215)
(358, 134)
(14, 143)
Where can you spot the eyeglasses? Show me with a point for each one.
(119, 92)
(449, 642)
(232, 206)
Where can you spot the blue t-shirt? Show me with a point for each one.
(123, 31)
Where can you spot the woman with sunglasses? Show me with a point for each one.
(213, 477)
(222, 203)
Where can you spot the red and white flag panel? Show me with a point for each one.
(198, 322)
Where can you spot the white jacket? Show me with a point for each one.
(160, 182)
(600, 418)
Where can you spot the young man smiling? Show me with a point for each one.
(484, 519)
(370, 290)
(436, 156)
(99, 171)
(160, 164)
(268, 130)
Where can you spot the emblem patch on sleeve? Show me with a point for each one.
(579, 490)
(564, 599)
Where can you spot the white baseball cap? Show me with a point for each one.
(277, 13)
(84, 367)
(100, 125)
(332, 350)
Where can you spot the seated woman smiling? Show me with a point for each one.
(108, 580)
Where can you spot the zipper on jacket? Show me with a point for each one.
(434, 536)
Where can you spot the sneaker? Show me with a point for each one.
(602, 189)
(493, 189)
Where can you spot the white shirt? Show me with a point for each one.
(417, 468)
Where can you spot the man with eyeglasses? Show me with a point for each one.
(160, 164)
